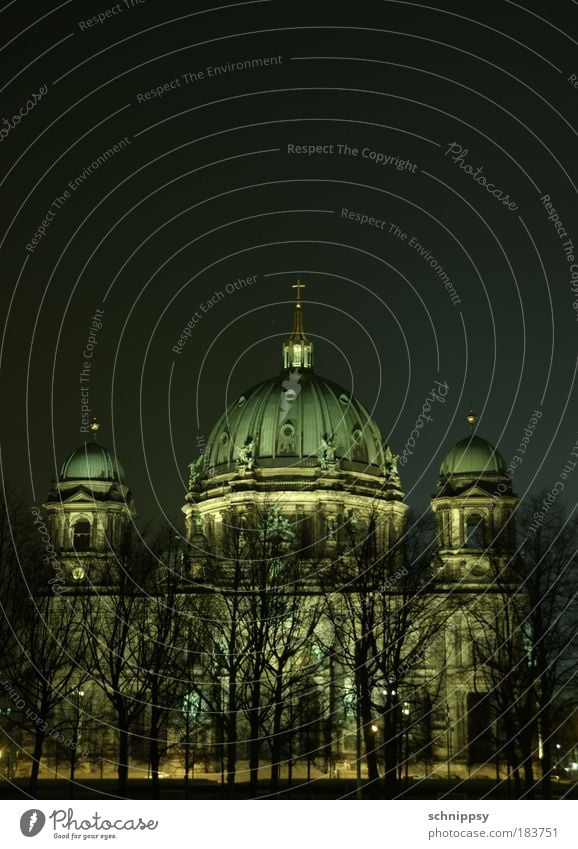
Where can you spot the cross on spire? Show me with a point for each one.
(299, 285)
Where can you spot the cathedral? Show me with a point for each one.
(300, 457)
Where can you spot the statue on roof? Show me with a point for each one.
(327, 455)
(246, 459)
(389, 467)
(196, 470)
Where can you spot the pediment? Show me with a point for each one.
(476, 492)
(82, 495)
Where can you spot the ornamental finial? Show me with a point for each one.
(299, 285)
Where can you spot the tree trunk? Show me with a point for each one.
(36, 757)
(73, 758)
(123, 757)
(187, 761)
(255, 742)
(514, 763)
(370, 750)
(525, 739)
(155, 759)
(390, 750)
(154, 751)
(528, 775)
(546, 782)
(274, 770)
(276, 737)
(73, 754)
(367, 723)
(231, 725)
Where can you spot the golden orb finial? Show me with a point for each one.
(94, 427)
(471, 419)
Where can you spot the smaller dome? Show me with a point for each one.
(94, 462)
(473, 456)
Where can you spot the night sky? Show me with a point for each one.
(217, 174)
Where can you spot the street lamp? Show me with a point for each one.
(449, 740)
(391, 718)
(405, 712)
(77, 695)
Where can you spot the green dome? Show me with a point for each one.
(92, 461)
(289, 420)
(473, 456)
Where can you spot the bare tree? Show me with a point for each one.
(49, 663)
(115, 615)
(502, 675)
(548, 571)
(290, 661)
(165, 633)
(258, 615)
(388, 611)
(523, 634)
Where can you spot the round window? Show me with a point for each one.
(288, 431)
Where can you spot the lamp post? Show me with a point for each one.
(77, 695)
(405, 712)
(390, 735)
(226, 711)
(358, 743)
(449, 742)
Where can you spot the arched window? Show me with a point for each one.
(81, 536)
(475, 532)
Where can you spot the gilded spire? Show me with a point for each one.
(298, 350)
(94, 427)
(298, 332)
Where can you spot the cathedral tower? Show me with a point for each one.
(474, 510)
(88, 507)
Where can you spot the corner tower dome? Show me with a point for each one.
(92, 462)
(472, 460)
(473, 456)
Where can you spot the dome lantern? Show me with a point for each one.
(297, 349)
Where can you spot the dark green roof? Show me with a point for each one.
(92, 461)
(288, 417)
(473, 456)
